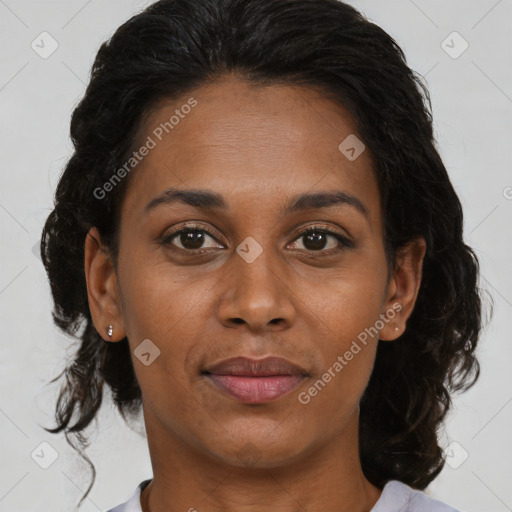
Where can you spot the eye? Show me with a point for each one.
(191, 239)
(320, 239)
(316, 239)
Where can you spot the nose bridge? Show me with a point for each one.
(256, 292)
(256, 264)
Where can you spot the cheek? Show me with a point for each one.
(168, 313)
(345, 310)
(155, 303)
(347, 303)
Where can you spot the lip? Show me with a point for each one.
(248, 367)
(255, 380)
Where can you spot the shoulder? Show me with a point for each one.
(397, 496)
(133, 504)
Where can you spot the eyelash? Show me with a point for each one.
(343, 241)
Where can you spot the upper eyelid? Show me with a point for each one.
(193, 227)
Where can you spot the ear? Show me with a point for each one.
(102, 292)
(403, 288)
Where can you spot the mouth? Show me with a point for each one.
(255, 380)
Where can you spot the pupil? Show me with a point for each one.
(192, 239)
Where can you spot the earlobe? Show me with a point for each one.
(403, 288)
(101, 280)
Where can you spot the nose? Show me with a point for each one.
(256, 293)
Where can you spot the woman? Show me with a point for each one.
(265, 252)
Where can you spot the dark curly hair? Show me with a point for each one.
(174, 46)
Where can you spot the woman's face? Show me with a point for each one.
(253, 284)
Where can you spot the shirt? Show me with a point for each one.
(396, 497)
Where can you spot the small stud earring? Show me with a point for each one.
(110, 331)
(396, 328)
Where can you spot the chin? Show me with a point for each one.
(262, 452)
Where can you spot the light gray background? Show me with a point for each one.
(472, 106)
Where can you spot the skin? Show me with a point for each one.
(258, 147)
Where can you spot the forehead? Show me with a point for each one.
(245, 141)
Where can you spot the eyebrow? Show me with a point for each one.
(206, 199)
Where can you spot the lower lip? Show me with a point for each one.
(254, 390)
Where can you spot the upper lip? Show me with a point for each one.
(244, 366)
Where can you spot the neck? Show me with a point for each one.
(328, 477)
